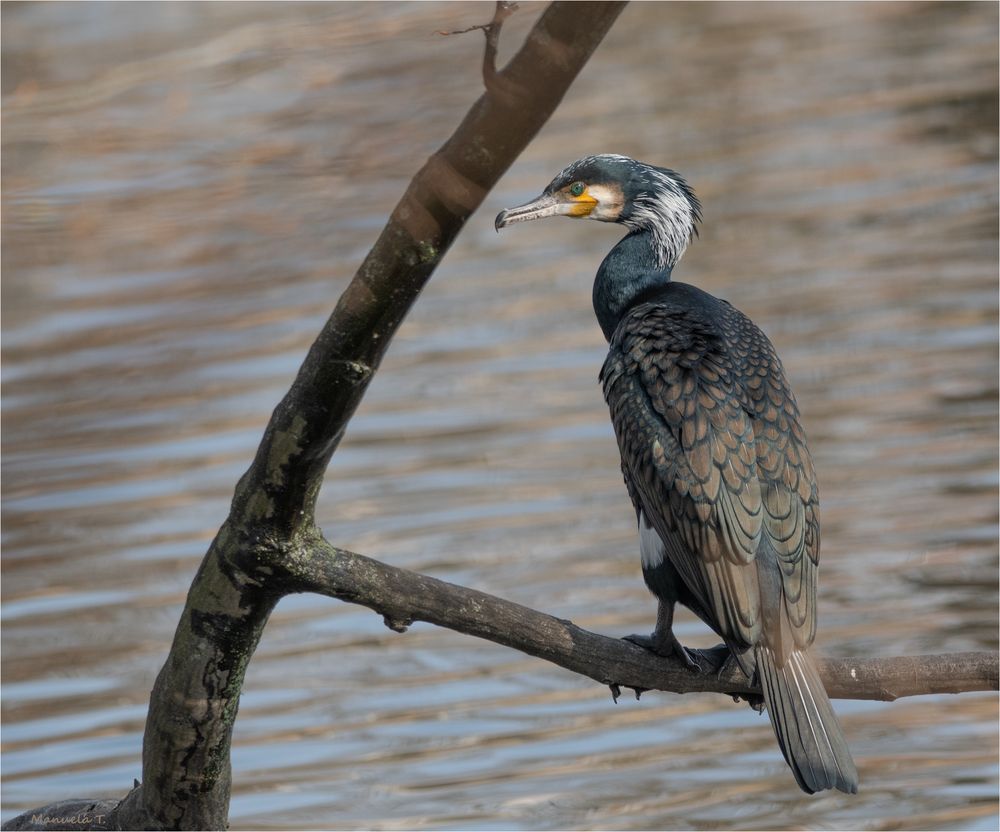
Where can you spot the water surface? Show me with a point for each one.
(186, 190)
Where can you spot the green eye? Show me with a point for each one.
(577, 188)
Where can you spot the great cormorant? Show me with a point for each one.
(714, 457)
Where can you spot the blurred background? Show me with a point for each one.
(186, 190)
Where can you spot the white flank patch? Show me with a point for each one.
(650, 545)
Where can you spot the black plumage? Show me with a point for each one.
(713, 454)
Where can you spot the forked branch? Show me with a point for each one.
(492, 32)
(186, 761)
(269, 545)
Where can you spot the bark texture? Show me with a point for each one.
(403, 597)
(186, 769)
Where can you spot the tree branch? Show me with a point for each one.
(193, 706)
(403, 597)
(280, 488)
(492, 32)
(269, 545)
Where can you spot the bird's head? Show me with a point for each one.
(613, 188)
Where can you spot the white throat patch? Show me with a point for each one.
(610, 202)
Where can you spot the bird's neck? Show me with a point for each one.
(632, 269)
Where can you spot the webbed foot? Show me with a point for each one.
(732, 663)
(666, 645)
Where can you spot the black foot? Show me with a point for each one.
(730, 663)
(720, 656)
(754, 700)
(668, 647)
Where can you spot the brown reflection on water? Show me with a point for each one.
(187, 188)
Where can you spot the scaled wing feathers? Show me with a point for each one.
(716, 459)
(687, 443)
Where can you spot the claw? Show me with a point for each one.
(754, 700)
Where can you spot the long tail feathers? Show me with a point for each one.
(808, 731)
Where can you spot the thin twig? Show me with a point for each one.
(503, 11)
(193, 706)
(492, 32)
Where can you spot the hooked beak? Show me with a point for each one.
(547, 205)
(544, 206)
